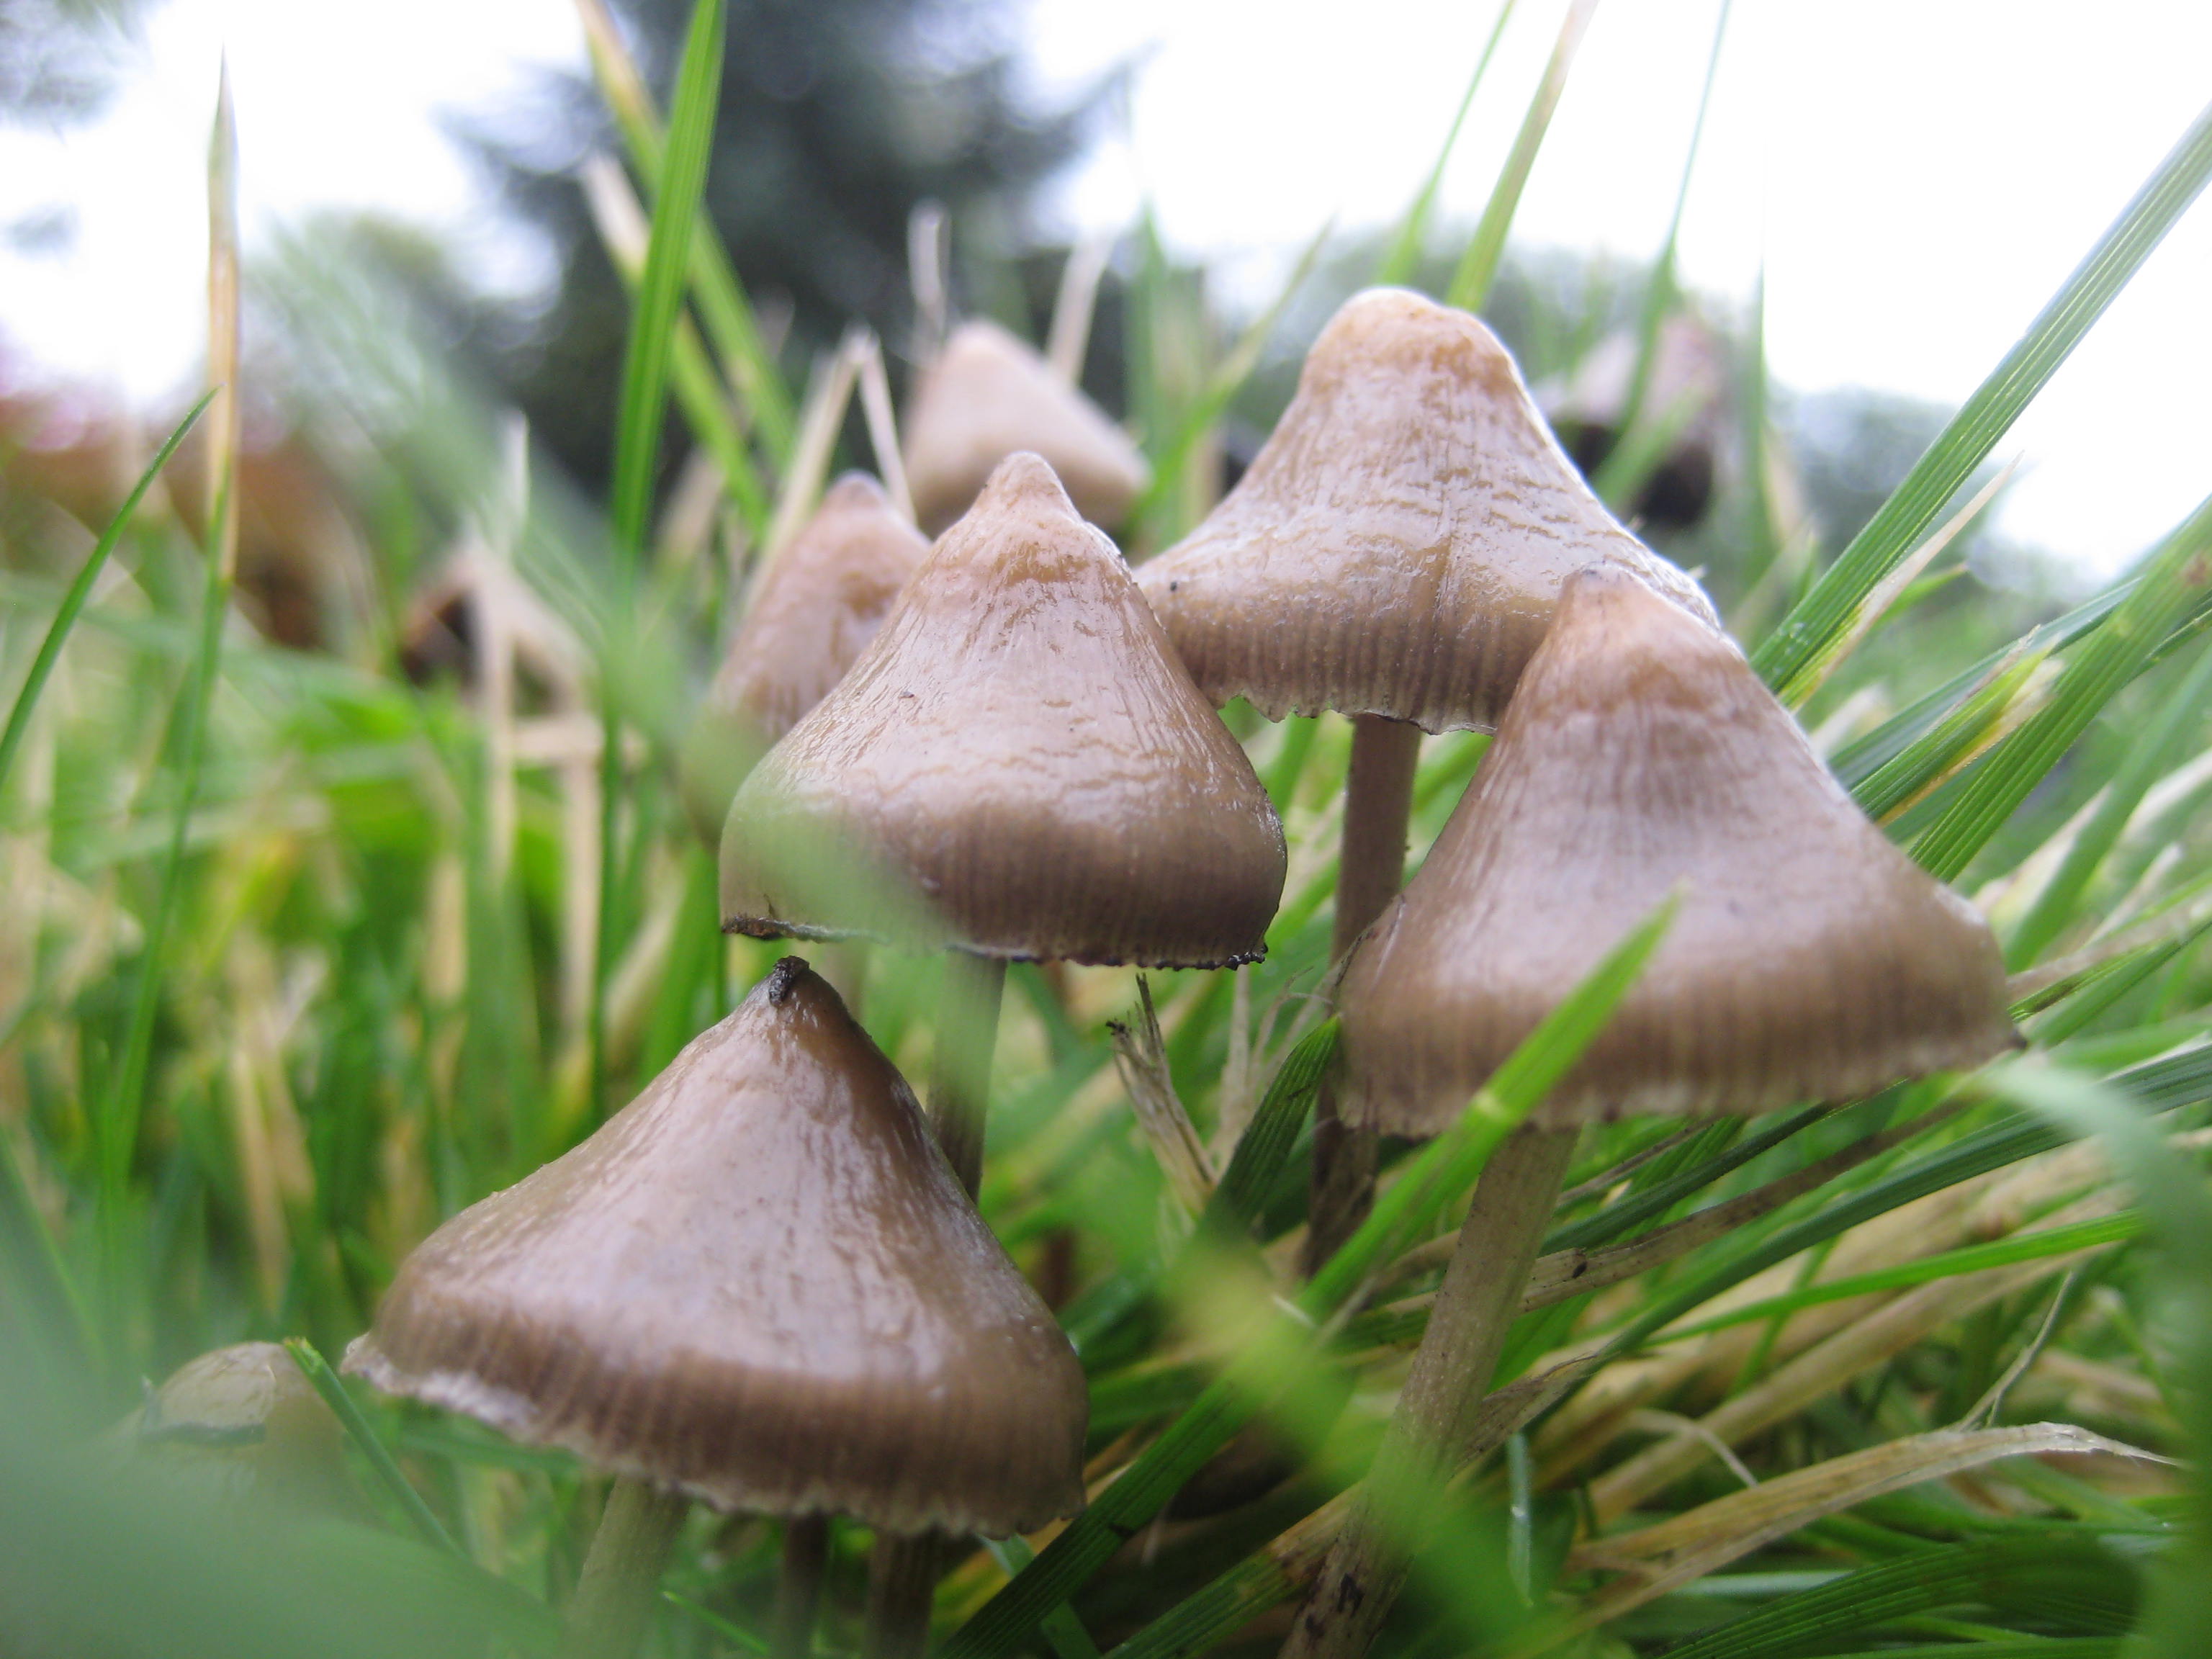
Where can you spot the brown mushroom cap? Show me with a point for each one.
(1398, 545)
(1017, 765)
(759, 1283)
(1810, 957)
(819, 603)
(989, 395)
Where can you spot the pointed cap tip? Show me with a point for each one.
(854, 488)
(1026, 478)
(760, 1284)
(1810, 959)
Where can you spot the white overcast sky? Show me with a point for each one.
(1916, 175)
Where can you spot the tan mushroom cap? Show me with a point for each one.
(243, 1422)
(1398, 545)
(1688, 389)
(1810, 959)
(759, 1283)
(989, 395)
(819, 603)
(1017, 765)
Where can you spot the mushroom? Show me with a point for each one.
(989, 395)
(759, 1284)
(1395, 554)
(1809, 959)
(821, 601)
(1017, 767)
(244, 1422)
(1682, 399)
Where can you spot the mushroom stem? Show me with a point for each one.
(960, 1069)
(1359, 1581)
(903, 1572)
(613, 1602)
(1378, 798)
(799, 1588)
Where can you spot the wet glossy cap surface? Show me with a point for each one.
(1398, 545)
(989, 395)
(1810, 959)
(1016, 766)
(759, 1283)
(818, 604)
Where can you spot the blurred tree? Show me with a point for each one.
(837, 118)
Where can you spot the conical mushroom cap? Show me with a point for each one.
(1809, 959)
(989, 395)
(242, 1422)
(1016, 766)
(819, 603)
(1398, 545)
(1688, 387)
(759, 1283)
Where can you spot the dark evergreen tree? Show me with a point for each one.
(837, 118)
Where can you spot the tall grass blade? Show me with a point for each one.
(116, 1128)
(2172, 1189)
(715, 289)
(325, 1383)
(80, 590)
(2004, 1570)
(1478, 265)
(1404, 253)
(1990, 413)
(1172, 460)
(1626, 469)
(2174, 585)
(637, 444)
(626, 234)
(2159, 747)
(1674, 1552)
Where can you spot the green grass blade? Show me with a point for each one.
(80, 590)
(1963, 732)
(1060, 1627)
(1638, 451)
(1478, 265)
(2108, 659)
(1290, 1340)
(2159, 747)
(326, 1384)
(2025, 1247)
(626, 234)
(1264, 1146)
(660, 289)
(1404, 253)
(637, 442)
(744, 1640)
(2168, 1084)
(117, 1123)
(1861, 758)
(1978, 1573)
(1616, 1220)
(2171, 1187)
(716, 289)
(1169, 464)
(1989, 413)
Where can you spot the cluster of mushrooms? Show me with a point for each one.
(764, 1284)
